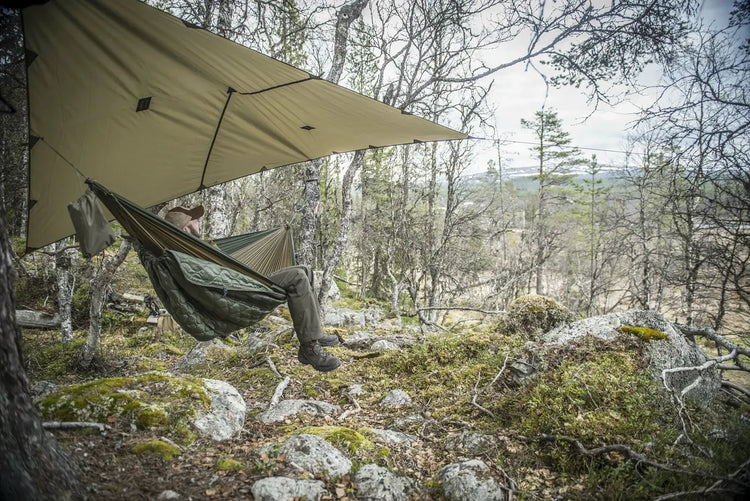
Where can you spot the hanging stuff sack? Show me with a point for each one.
(92, 229)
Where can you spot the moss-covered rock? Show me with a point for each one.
(340, 436)
(151, 400)
(157, 448)
(534, 315)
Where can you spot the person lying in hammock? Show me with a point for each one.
(301, 300)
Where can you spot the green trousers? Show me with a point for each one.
(303, 305)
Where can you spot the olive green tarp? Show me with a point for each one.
(154, 109)
(209, 293)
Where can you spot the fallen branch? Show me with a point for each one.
(713, 488)
(462, 308)
(279, 392)
(712, 335)
(633, 456)
(737, 388)
(67, 425)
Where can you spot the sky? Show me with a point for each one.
(519, 92)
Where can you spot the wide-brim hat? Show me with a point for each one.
(180, 216)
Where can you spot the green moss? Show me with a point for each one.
(607, 399)
(151, 400)
(149, 364)
(46, 357)
(157, 448)
(227, 464)
(152, 417)
(642, 332)
(339, 436)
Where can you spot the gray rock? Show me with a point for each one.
(396, 398)
(521, 371)
(469, 481)
(384, 345)
(661, 355)
(406, 422)
(356, 390)
(255, 343)
(342, 317)
(168, 496)
(359, 340)
(43, 388)
(227, 415)
(315, 455)
(375, 482)
(473, 443)
(197, 355)
(373, 313)
(287, 408)
(284, 488)
(393, 437)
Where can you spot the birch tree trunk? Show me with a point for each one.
(64, 259)
(343, 235)
(346, 15)
(33, 464)
(99, 282)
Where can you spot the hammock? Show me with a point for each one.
(211, 292)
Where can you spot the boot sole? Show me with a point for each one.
(320, 368)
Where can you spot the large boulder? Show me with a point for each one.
(665, 349)
(227, 414)
(313, 454)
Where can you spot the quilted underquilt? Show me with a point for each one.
(206, 299)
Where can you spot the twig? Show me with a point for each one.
(342, 279)
(273, 367)
(170, 442)
(65, 425)
(474, 398)
(349, 412)
(487, 386)
(278, 392)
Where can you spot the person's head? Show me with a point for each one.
(187, 219)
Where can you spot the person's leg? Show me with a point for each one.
(303, 305)
(303, 308)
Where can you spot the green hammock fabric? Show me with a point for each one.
(263, 251)
(209, 293)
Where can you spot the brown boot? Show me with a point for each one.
(321, 360)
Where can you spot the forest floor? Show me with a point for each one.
(461, 385)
